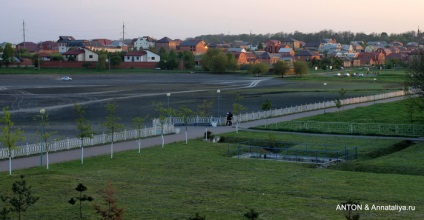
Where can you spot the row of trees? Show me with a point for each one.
(343, 37)
(11, 135)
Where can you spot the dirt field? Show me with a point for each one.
(134, 93)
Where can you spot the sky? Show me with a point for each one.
(181, 19)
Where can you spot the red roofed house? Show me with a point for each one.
(141, 56)
(81, 54)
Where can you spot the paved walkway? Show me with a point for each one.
(193, 133)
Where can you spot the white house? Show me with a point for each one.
(144, 43)
(81, 54)
(141, 56)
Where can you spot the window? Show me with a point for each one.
(153, 58)
(90, 56)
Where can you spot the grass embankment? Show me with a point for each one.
(180, 180)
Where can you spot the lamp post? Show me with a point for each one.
(218, 92)
(324, 97)
(42, 111)
(375, 79)
(168, 95)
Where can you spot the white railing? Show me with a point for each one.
(68, 143)
(285, 111)
(169, 125)
(315, 106)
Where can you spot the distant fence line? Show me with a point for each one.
(196, 120)
(410, 130)
(68, 143)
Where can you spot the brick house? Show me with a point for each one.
(167, 44)
(197, 47)
(272, 46)
(307, 55)
(292, 43)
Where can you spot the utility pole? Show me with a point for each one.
(123, 33)
(23, 31)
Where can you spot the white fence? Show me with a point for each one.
(67, 144)
(286, 111)
(169, 127)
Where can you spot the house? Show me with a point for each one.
(357, 46)
(167, 44)
(100, 42)
(48, 46)
(62, 43)
(330, 48)
(292, 43)
(307, 55)
(197, 47)
(236, 50)
(286, 54)
(312, 46)
(251, 57)
(272, 46)
(144, 43)
(31, 47)
(269, 58)
(371, 58)
(240, 44)
(141, 56)
(385, 51)
(80, 54)
(377, 43)
(240, 56)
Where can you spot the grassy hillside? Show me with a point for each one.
(180, 180)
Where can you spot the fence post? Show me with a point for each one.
(67, 143)
(125, 134)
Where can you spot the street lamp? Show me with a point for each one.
(168, 95)
(42, 112)
(324, 97)
(218, 92)
(375, 79)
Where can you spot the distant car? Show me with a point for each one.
(337, 75)
(346, 75)
(66, 78)
(361, 74)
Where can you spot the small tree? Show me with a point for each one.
(205, 107)
(43, 119)
(237, 108)
(81, 198)
(22, 198)
(215, 60)
(350, 215)
(111, 210)
(251, 214)
(197, 217)
(164, 113)
(185, 112)
(138, 123)
(232, 63)
(111, 124)
(258, 69)
(83, 126)
(8, 137)
(8, 54)
(338, 105)
(301, 67)
(281, 68)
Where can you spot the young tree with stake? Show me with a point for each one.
(83, 126)
(8, 137)
(111, 124)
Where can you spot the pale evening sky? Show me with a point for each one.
(90, 19)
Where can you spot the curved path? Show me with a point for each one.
(193, 133)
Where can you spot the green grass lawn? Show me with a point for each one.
(180, 180)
